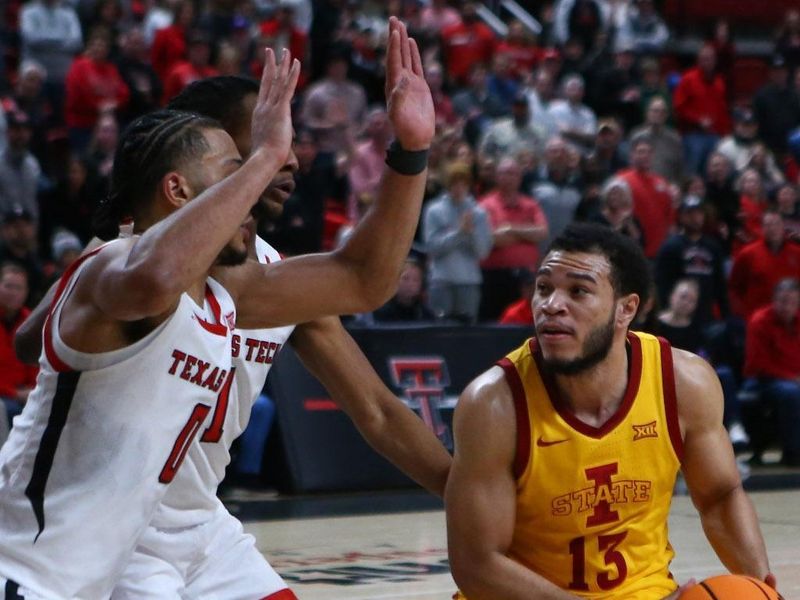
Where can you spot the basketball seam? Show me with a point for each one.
(760, 589)
(708, 589)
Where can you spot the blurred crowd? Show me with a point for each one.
(579, 114)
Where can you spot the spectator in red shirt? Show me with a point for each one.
(94, 86)
(521, 312)
(196, 66)
(652, 196)
(701, 108)
(16, 378)
(466, 43)
(761, 265)
(518, 225)
(772, 354)
(169, 45)
(521, 50)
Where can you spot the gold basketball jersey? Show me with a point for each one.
(592, 503)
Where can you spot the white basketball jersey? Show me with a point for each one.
(192, 497)
(101, 436)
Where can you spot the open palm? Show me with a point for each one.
(409, 101)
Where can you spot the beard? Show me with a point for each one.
(231, 257)
(595, 349)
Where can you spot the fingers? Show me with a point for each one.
(393, 59)
(267, 75)
(416, 59)
(405, 48)
(292, 77)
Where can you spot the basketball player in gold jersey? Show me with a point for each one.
(567, 451)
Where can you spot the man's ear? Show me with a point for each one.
(627, 306)
(176, 189)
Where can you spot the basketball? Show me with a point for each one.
(731, 587)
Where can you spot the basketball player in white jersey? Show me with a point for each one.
(194, 548)
(92, 478)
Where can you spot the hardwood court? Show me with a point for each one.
(403, 555)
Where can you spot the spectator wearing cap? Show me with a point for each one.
(692, 254)
(760, 265)
(509, 135)
(608, 154)
(642, 29)
(334, 107)
(169, 43)
(19, 170)
(18, 245)
(772, 357)
(741, 145)
(518, 226)
(574, 121)
(521, 311)
(466, 43)
(666, 142)
(196, 66)
(652, 196)
(16, 378)
(557, 189)
(94, 86)
(701, 108)
(457, 237)
(51, 35)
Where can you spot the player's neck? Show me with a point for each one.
(592, 403)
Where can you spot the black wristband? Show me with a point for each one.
(406, 162)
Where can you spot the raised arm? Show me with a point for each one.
(728, 517)
(480, 498)
(388, 425)
(361, 275)
(177, 251)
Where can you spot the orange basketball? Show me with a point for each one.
(731, 587)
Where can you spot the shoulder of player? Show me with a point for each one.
(697, 388)
(487, 403)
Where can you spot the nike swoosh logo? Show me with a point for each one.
(543, 444)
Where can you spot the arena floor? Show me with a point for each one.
(399, 554)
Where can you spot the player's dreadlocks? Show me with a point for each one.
(149, 148)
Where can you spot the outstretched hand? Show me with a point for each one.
(272, 116)
(408, 97)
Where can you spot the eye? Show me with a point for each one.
(580, 291)
(542, 288)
